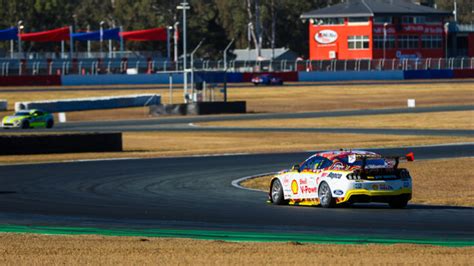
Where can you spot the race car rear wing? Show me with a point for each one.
(410, 157)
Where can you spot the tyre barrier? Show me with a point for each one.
(3, 105)
(60, 143)
(98, 103)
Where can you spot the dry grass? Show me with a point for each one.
(324, 98)
(159, 144)
(442, 182)
(438, 120)
(276, 99)
(19, 249)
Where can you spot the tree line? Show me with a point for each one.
(218, 21)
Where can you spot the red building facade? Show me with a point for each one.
(374, 29)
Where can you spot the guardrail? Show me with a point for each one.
(122, 66)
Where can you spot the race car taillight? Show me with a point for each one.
(353, 176)
(404, 173)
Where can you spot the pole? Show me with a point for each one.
(168, 43)
(20, 27)
(11, 49)
(192, 65)
(121, 40)
(71, 42)
(446, 31)
(384, 38)
(225, 54)
(88, 43)
(62, 49)
(176, 35)
(101, 33)
(455, 11)
(185, 6)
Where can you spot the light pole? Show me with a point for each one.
(192, 64)
(446, 33)
(185, 6)
(168, 43)
(175, 38)
(101, 33)
(384, 38)
(20, 29)
(225, 54)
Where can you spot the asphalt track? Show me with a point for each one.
(196, 193)
(181, 124)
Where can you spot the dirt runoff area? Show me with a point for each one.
(27, 249)
(436, 182)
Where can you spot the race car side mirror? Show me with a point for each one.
(295, 167)
(410, 157)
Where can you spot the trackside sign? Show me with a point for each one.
(326, 36)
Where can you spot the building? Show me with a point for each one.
(374, 29)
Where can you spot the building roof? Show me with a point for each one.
(369, 8)
(251, 54)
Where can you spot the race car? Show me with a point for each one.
(29, 119)
(344, 177)
(267, 79)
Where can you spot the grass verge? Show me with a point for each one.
(437, 182)
(436, 120)
(21, 249)
(168, 144)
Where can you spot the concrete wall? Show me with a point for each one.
(98, 103)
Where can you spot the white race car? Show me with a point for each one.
(337, 177)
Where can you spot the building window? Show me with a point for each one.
(433, 20)
(358, 20)
(431, 42)
(413, 20)
(358, 42)
(408, 42)
(389, 42)
(382, 20)
(329, 21)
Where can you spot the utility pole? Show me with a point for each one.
(185, 6)
(258, 28)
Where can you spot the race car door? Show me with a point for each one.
(307, 184)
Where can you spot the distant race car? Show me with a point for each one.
(267, 79)
(337, 177)
(29, 119)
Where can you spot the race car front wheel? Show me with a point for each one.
(325, 196)
(25, 124)
(50, 124)
(277, 193)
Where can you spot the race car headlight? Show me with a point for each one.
(17, 122)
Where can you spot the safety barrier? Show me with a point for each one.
(428, 74)
(350, 75)
(199, 108)
(3, 105)
(463, 73)
(99, 103)
(78, 80)
(30, 81)
(60, 143)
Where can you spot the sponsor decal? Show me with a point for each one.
(406, 184)
(286, 181)
(399, 55)
(334, 175)
(338, 166)
(324, 174)
(306, 189)
(358, 185)
(338, 192)
(294, 187)
(317, 181)
(385, 187)
(304, 181)
(326, 36)
(351, 158)
(375, 187)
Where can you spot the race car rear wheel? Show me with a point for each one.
(325, 196)
(50, 124)
(25, 124)
(398, 203)
(277, 193)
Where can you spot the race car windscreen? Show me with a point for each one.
(22, 113)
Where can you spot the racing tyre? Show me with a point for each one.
(50, 124)
(325, 196)
(25, 124)
(398, 203)
(276, 193)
